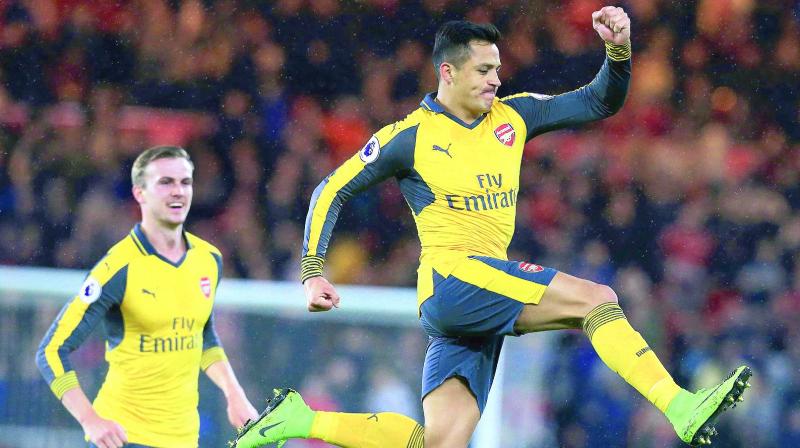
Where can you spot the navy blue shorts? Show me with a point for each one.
(470, 313)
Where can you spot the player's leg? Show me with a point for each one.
(456, 379)
(288, 417)
(384, 429)
(467, 324)
(451, 415)
(570, 302)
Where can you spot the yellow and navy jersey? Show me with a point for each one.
(461, 180)
(159, 333)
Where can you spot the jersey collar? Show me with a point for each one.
(147, 248)
(429, 103)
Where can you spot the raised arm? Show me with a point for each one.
(388, 153)
(601, 98)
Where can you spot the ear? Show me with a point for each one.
(446, 72)
(137, 194)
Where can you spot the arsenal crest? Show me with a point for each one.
(506, 134)
(205, 286)
(530, 267)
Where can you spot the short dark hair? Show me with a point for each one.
(453, 38)
(155, 153)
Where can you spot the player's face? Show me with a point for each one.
(477, 80)
(167, 193)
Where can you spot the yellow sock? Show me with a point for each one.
(383, 430)
(625, 352)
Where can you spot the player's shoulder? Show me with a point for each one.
(200, 244)
(118, 257)
(523, 96)
(400, 128)
(524, 104)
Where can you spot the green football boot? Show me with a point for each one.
(286, 417)
(693, 414)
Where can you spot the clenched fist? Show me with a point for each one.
(613, 25)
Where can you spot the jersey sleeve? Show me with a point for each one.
(599, 99)
(217, 255)
(212, 349)
(388, 153)
(101, 290)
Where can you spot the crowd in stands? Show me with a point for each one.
(687, 202)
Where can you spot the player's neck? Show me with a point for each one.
(454, 108)
(168, 242)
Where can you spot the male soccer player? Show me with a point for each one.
(154, 291)
(457, 160)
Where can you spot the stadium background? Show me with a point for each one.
(686, 201)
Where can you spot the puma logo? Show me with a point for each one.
(148, 292)
(375, 416)
(440, 149)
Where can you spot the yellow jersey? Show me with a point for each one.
(461, 180)
(159, 333)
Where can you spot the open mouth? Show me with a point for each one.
(176, 206)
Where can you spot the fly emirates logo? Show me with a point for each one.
(186, 335)
(492, 198)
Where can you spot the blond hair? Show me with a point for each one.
(155, 153)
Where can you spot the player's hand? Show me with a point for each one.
(612, 24)
(104, 433)
(320, 294)
(240, 410)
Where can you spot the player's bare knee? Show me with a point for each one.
(605, 294)
(599, 294)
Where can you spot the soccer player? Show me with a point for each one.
(154, 291)
(457, 160)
